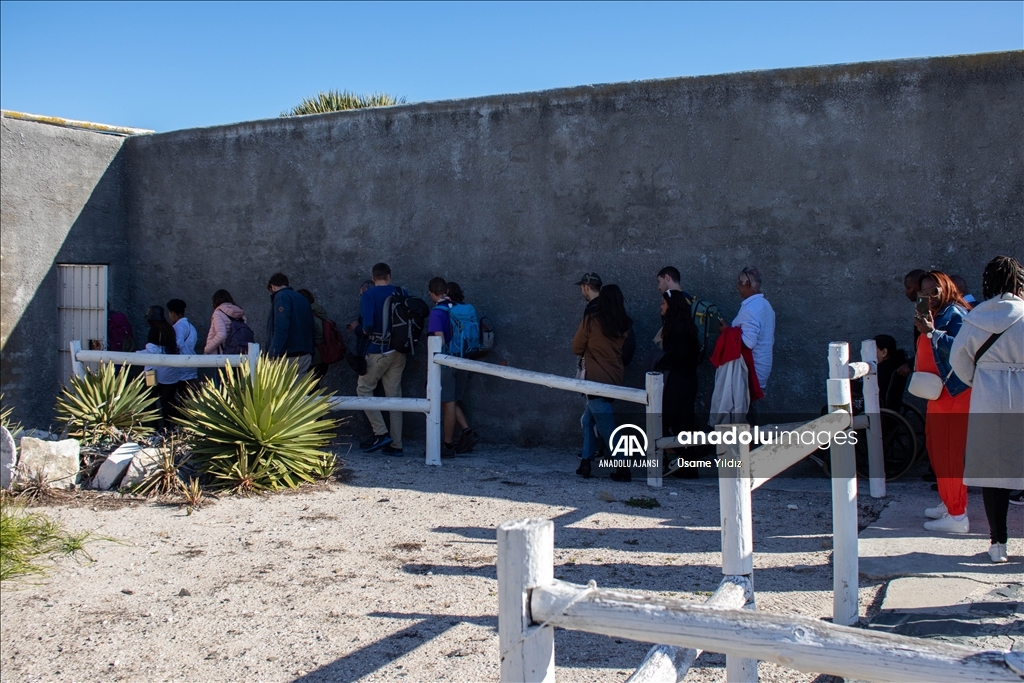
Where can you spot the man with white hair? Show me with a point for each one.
(756, 319)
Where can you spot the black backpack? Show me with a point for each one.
(239, 337)
(404, 317)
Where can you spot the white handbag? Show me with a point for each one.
(925, 385)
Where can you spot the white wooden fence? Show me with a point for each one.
(161, 360)
(531, 603)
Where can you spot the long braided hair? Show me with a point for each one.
(1003, 275)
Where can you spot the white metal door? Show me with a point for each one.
(82, 311)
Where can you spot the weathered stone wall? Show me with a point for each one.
(834, 181)
(62, 200)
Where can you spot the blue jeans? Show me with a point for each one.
(598, 413)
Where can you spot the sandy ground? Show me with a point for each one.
(390, 575)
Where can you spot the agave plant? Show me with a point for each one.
(341, 100)
(259, 434)
(106, 405)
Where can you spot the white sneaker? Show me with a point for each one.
(937, 512)
(948, 523)
(997, 552)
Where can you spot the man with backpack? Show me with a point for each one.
(391, 330)
(290, 325)
(446, 319)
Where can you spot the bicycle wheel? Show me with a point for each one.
(899, 446)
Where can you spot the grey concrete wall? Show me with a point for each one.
(834, 181)
(62, 200)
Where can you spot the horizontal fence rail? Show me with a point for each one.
(161, 360)
(800, 643)
(580, 386)
(404, 405)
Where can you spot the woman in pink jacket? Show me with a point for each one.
(224, 311)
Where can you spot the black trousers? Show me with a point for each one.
(997, 506)
(168, 394)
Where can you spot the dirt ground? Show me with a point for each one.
(390, 575)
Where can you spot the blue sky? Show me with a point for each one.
(178, 65)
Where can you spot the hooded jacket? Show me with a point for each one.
(995, 432)
(220, 326)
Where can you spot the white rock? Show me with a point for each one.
(116, 464)
(55, 461)
(141, 466)
(40, 434)
(8, 458)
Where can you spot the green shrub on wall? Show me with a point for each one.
(341, 100)
(263, 434)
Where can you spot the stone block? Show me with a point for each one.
(114, 467)
(8, 458)
(142, 465)
(55, 461)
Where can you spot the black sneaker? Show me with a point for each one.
(391, 450)
(375, 444)
(447, 450)
(1017, 498)
(584, 469)
(622, 474)
(468, 439)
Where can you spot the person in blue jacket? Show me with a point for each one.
(290, 325)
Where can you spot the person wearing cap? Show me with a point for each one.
(161, 339)
(599, 341)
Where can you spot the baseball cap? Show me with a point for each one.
(592, 279)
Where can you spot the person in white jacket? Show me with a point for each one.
(988, 354)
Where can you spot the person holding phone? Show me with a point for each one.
(940, 314)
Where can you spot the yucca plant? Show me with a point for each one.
(107, 405)
(341, 100)
(164, 478)
(5, 417)
(263, 434)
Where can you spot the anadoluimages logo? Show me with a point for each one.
(628, 441)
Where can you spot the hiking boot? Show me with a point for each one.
(997, 553)
(622, 474)
(447, 450)
(937, 512)
(468, 439)
(391, 450)
(584, 469)
(375, 444)
(950, 524)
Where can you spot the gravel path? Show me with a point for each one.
(390, 575)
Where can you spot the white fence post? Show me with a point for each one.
(872, 408)
(254, 358)
(845, 579)
(434, 396)
(655, 392)
(737, 529)
(526, 552)
(76, 366)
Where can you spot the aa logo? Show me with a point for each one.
(628, 441)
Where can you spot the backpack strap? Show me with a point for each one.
(987, 345)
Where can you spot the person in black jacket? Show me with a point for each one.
(891, 384)
(679, 364)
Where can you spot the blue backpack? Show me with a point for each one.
(466, 342)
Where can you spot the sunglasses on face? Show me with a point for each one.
(930, 293)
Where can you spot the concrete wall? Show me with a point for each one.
(62, 200)
(833, 180)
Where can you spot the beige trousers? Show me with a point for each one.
(388, 370)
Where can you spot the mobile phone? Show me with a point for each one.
(922, 306)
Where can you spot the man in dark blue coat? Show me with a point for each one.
(290, 325)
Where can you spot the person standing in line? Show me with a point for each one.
(439, 325)
(469, 438)
(225, 315)
(961, 285)
(318, 367)
(186, 336)
(290, 324)
(911, 285)
(756, 320)
(598, 342)
(988, 355)
(161, 339)
(679, 365)
(383, 364)
(945, 429)
(668, 281)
